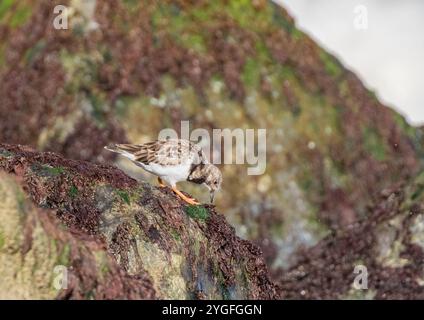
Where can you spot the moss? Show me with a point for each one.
(189, 26)
(101, 263)
(46, 170)
(343, 87)
(262, 53)
(20, 17)
(169, 16)
(373, 95)
(331, 65)
(64, 254)
(251, 72)
(373, 144)
(297, 34)
(406, 128)
(247, 16)
(281, 19)
(193, 41)
(14, 13)
(131, 4)
(197, 212)
(73, 191)
(286, 73)
(200, 15)
(5, 5)
(124, 196)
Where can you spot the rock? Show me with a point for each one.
(331, 145)
(114, 237)
(387, 247)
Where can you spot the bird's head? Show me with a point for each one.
(213, 179)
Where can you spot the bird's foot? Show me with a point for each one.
(161, 184)
(185, 198)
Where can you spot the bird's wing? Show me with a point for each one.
(164, 152)
(144, 153)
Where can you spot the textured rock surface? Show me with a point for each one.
(389, 243)
(127, 69)
(118, 238)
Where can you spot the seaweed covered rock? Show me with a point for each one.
(125, 70)
(115, 237)
(387, 248)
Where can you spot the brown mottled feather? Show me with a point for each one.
(165, 152)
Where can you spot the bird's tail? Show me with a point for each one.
(113, 148)
(121, 149)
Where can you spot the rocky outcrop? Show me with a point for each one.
(113, 237)
(124, 70)
(385, 253)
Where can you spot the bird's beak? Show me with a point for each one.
(212, 193)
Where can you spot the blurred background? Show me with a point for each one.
(385, 54)
(124, 70)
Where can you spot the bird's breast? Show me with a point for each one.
(171, 173)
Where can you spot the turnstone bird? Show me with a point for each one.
(172, 161)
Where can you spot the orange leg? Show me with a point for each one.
(184, 197)
(161, 184)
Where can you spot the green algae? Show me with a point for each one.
(331, 65)
(197, 212)
(124, 195)
(73, 191)
(374, 145)
(46, 170)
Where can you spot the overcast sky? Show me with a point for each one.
(388, 55)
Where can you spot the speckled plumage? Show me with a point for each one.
(164, 152)
(173, 160)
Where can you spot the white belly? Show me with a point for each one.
(170, 174)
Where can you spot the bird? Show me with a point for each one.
(173, 161)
